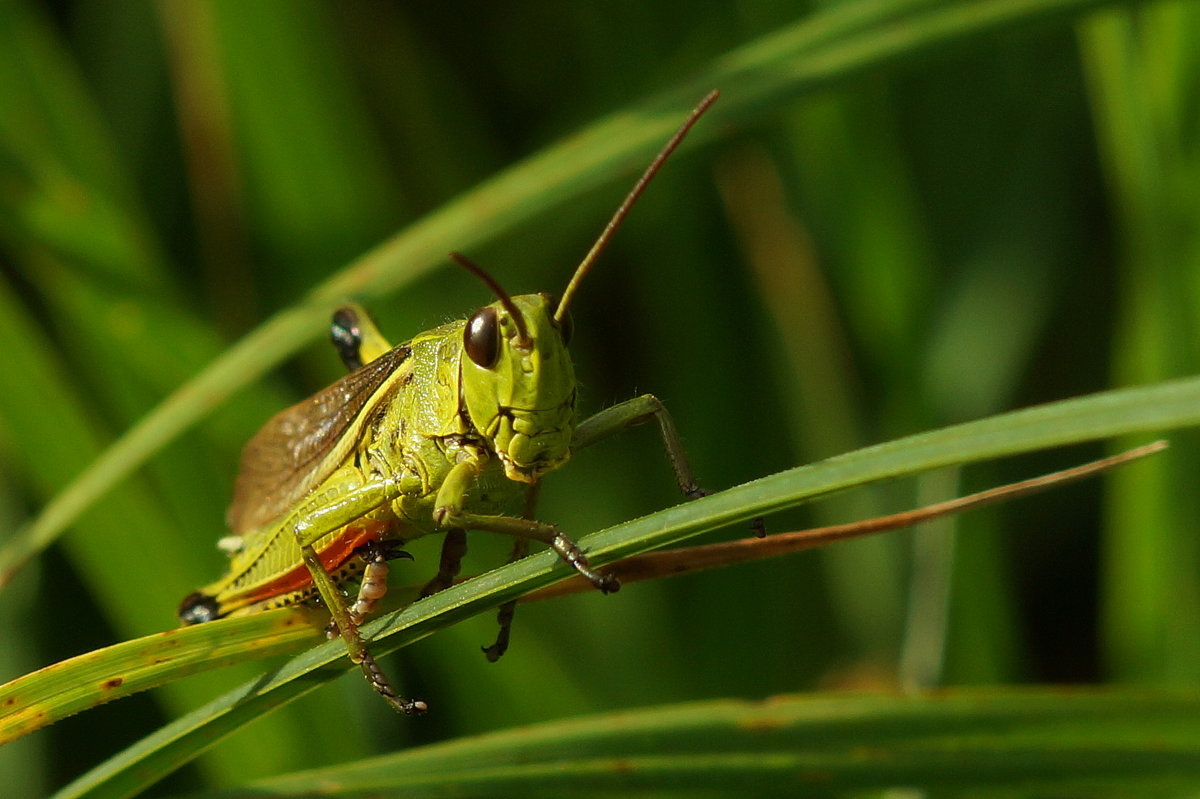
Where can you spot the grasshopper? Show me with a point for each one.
(441, 434)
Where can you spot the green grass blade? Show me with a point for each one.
(811, 54)
(1159, 407)
(96, 331)
(89, 680)
(1141, 75)
(82, 682)
(1016, 739)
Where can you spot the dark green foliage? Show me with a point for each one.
(921, 217)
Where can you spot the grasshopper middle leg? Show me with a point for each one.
(504, 615)
(449, 513)
(454, 547)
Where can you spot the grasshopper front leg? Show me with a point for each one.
(632, 413)
(309, 528)
(448, 513)
(637, 411)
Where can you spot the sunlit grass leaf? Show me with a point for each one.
(1016, 740)
(1158, 407)
(117, 671)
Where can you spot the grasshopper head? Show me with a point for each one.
(518, 383)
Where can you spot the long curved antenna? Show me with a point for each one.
(523, 339)
(586, 264)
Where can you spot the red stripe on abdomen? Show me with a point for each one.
(332, 557)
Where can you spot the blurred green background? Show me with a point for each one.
(1008, 219)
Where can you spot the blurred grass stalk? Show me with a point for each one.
(1141, 64)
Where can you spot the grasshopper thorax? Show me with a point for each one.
(518, 384)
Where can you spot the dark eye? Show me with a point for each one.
(481, 339)
(346, 337)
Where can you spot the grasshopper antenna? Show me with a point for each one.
(586, 264)
(523, 339)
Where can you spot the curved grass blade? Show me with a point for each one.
(755, 78)
(686, 560)
(86, 681)
(1015, 739)
(97, 328)
(1158, 407)
(83, 682)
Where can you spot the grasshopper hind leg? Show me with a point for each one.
(346, 621)
(346, 625)
(355, 337)
(379, 681)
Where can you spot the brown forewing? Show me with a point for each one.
(287, 457)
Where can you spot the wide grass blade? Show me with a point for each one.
(1159, 407)
(86, 681)
(1021, 739)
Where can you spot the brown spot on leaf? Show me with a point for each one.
(760, 724)
(110, 684)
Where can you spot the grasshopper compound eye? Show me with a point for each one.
(481, 338)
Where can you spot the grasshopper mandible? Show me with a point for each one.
(438, 435)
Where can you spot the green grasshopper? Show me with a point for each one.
(442, 434)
